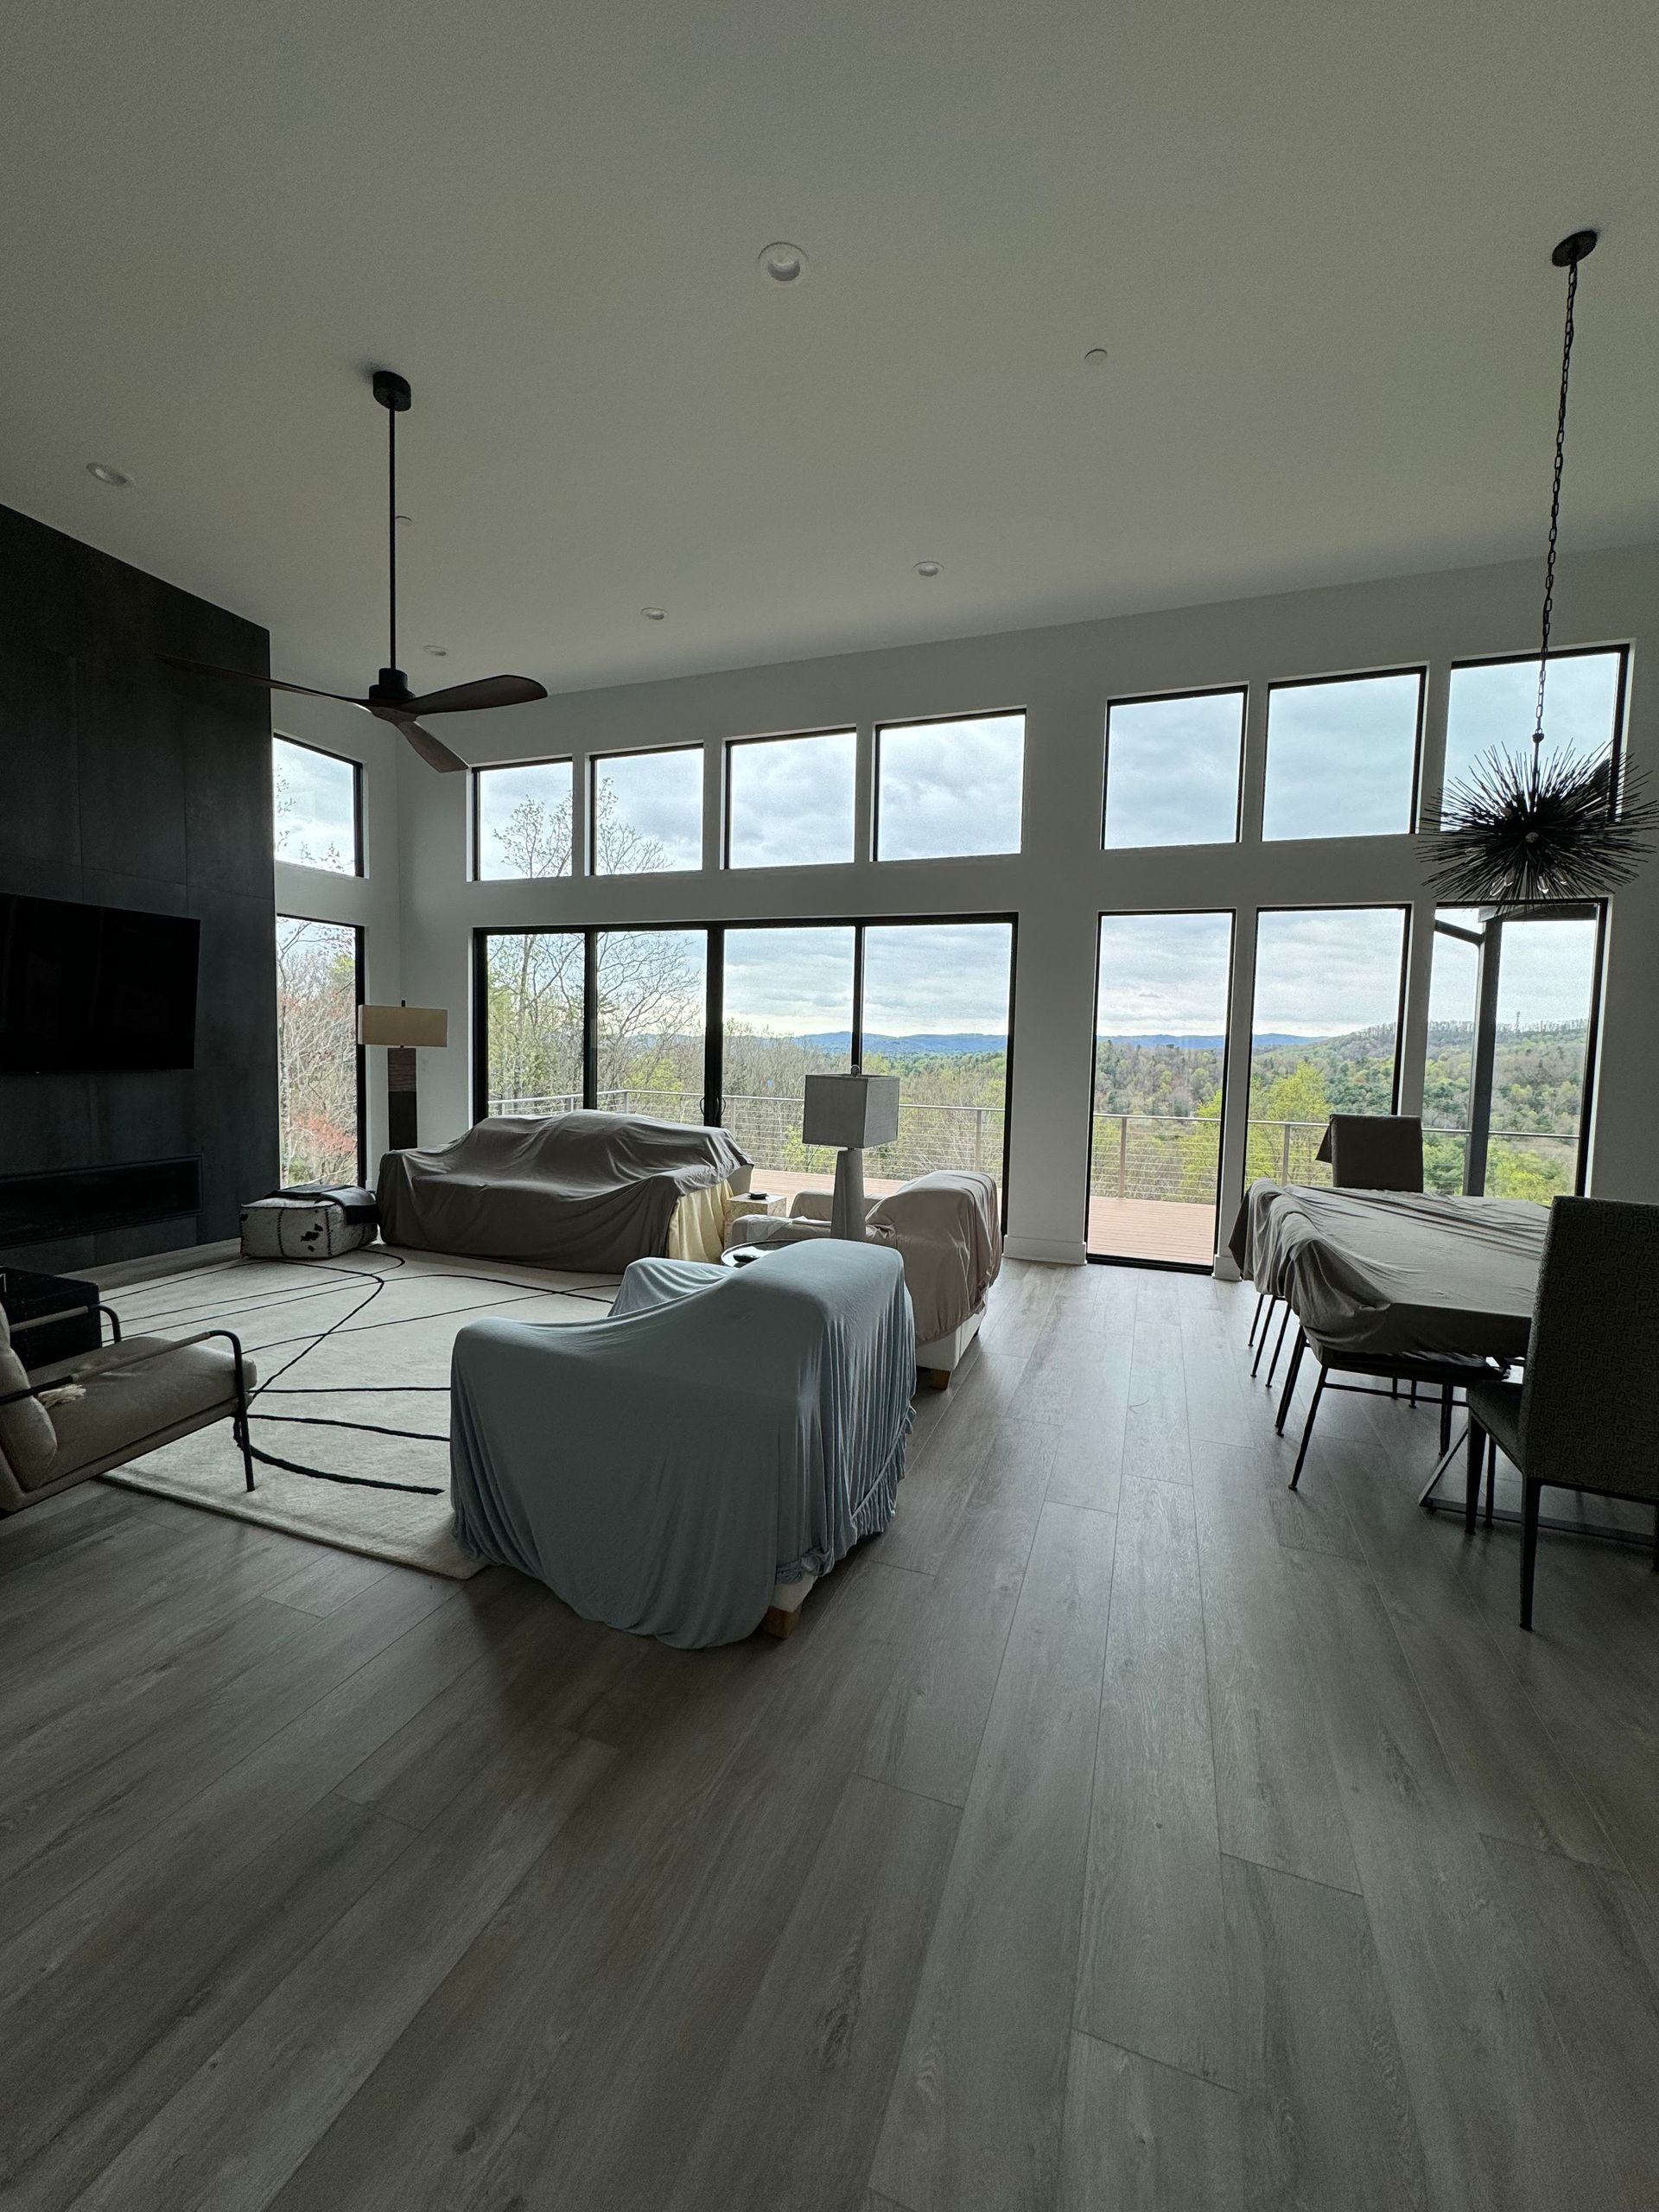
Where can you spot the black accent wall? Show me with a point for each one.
(125, 783)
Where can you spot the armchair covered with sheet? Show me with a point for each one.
(947, 1229)
(673, 1469)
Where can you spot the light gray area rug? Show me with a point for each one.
(364, 1338)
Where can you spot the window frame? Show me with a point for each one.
(1621, 709)
(591, 867)
(358, 871)
(715, 986)
(360, 984)
(1147, 914)
(1241, 693)
(1414, 802)
(475, 825)
(730, 745)
(925, 721)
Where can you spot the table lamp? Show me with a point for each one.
(401, 1028)
(851, 1112)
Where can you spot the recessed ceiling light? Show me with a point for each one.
(1094, 358)
(653, 614)
(928, 569)
(107, 473)
(438, 652)
(783, 262)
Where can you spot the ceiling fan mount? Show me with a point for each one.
(389, 698)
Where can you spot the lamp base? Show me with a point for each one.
(403, 1105)
(847, 1207)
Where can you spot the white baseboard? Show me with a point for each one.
(1055, 1251)
(111, 1274)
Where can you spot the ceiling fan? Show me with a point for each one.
(390, 698)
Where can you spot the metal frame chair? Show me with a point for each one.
(1451, 1372)
(1585, 1415)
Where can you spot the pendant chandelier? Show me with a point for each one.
(1524, 829)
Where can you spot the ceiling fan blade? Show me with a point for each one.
(488, 691)
(271, 682)
(434, 755)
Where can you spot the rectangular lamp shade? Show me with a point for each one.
(850, 1109)
(403, 1024)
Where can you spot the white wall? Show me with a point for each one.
(368, 901)
(1061, 880)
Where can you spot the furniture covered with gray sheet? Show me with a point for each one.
(582, 1189)
(722, 1431)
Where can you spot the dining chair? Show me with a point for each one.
(1586, 1414)
(1445, 1372)
(1374, 1151)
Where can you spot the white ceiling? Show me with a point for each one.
(1314, 237)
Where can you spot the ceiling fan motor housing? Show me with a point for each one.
(392, 390)
(392, 687)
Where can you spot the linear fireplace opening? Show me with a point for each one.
(78, 1201)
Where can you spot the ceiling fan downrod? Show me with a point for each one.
(394, 394)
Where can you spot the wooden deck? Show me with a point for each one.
(1152, 1229)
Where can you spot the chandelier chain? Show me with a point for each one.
(1555, 506)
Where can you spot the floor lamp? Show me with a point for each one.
(850, 1111)
(401, 1028)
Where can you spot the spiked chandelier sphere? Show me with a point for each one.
(1520, 830)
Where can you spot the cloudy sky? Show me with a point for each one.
(920, 978)
(315, 802)
(949, 787)
(502, 790)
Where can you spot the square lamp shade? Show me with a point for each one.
(402, 1028)
(406, 1026)
(850, 1111)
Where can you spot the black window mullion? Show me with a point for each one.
(714, 1034)
(590, 1017)
(855, 1043)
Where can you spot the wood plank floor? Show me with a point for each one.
(1120, 1830)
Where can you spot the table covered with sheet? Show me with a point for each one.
(1395, 1271)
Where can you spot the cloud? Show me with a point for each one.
(1321, 972)
(661, 795)
(1163, 973)
(792, 800)
(316, 807)
(1492, 709)
(949, 788)
(1341, 758)
(1171, 771)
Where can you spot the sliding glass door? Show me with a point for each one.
(1511, 1033)
(650, 1025)
(319, 1060)
(1325, 1035)
(935, 1008)
(1161, 1057)
(530, 989)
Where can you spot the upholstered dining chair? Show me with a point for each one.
(1374, 1151)
(1586, 1416)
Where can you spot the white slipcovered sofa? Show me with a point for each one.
(946, 1227)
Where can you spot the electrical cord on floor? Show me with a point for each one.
(381, 1276)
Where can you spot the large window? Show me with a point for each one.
(645, 811)
(1161, 1057)
(788, 1009)
(944, 788)
(1511, 1024)
(618, 1018)
(521, 820)
(651, 990)
(1341, 757)
(317, 808)
(1490, 706)
(319, 1061)
(1172, 769)
(1325, 1035)
(789, 800)
(531, 985)
(935, 1011)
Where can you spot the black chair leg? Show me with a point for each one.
(1279, 1347)
(1300, 1347)
(1319, 1392)
(1474, 1455)
(1414, 1397)
(1655, 1539)
(1445, 1417)
(1528, 1546)
(1261, 1341)
(1491, 1477)
(1256, 1317)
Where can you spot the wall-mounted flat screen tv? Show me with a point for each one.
(94, 988)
